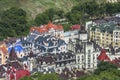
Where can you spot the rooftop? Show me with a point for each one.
(46, 28)
(106, 27)
(103, 56)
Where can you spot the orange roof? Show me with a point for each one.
(60, 27)
(33, 28)
(4, 49)
(42, 29)
(103, 56)
(56, 27)
(53, 26)
(46, 28)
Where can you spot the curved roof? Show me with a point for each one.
(17, 48)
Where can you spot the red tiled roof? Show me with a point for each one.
(53, 26)
(33, 28)
(103, 56)
(22, 73)
(19, 74)
(46, 28)
(42, 29)
(75, 27)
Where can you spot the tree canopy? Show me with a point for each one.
(105, 71)
(13, 23)
(90, 10)
(104, 66)
(49, 15)
(40, 76)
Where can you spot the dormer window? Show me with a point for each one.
(6, 57)
(21, 55)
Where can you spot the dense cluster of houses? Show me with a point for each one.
(47, 48)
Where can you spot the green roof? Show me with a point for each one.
(106, 27)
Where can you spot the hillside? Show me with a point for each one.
(33, 7)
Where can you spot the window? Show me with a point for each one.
(88, 65)
(116, 36)
(6, 57)
(21, 55)
(89, 51)
(82, 58)
(116, 32)
(78, 58)
(116, 43)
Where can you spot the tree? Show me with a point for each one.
(104, 66)
(41, 76)
(13, 23)
(48, 15)
(52, 76)
(104, 75)
(26, 78)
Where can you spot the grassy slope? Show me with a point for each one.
(33, 7)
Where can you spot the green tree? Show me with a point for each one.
(104, 66)
(26, 78)
(48, 15)
(52, 76)
(41, 76)
(13, 23)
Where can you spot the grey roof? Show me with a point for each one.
(48, 41)
(105, 20)
(31, 38)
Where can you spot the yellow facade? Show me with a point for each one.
(104, 39)
(3, 54)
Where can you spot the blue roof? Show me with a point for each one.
(18, 43)
(17, 48)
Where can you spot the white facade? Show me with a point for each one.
(116, 36)
(87, 59)
(70, 35)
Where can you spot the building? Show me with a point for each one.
(3, 54)
(86, 56)
(50, 28)
(71, 74)
(45, 64)
(71, 35)
(42, 44)
(56, 62)
(86, 51)
(105, 32)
